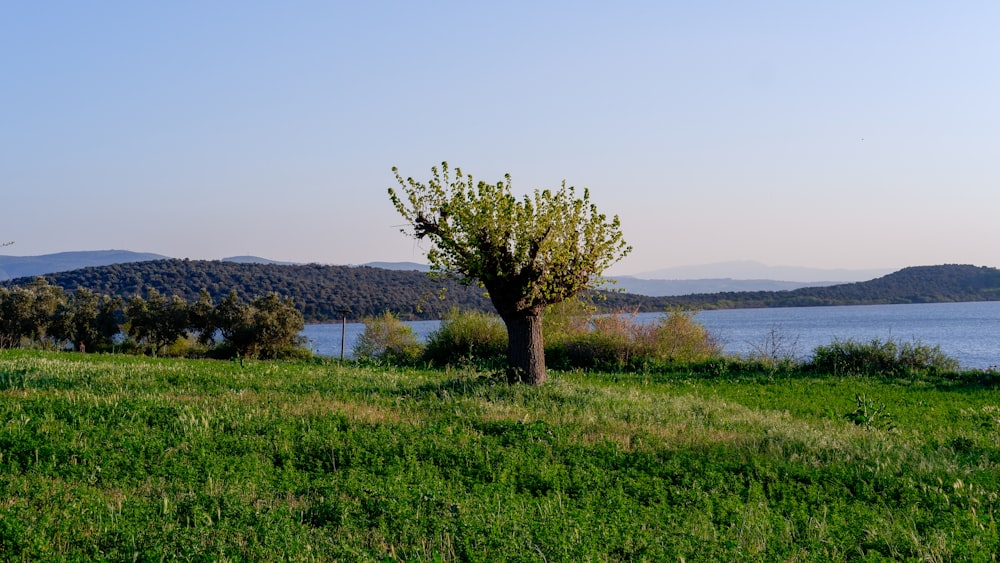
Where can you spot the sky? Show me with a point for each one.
(813, 134)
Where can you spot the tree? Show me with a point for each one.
(29, 313)
(266, 327)
(387, 337)
(156, 320)
(277, 324)
(527, 253)
(202, 318)
(88, 320)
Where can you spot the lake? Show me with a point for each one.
(968, 332)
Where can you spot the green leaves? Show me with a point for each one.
(540, 249)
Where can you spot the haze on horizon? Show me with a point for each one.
(853, 135)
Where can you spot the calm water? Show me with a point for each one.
(968, 332)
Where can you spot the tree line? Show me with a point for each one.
(44, 315)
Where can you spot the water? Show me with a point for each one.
(968, 332)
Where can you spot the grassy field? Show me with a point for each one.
(124, 458)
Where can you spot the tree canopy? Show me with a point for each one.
(527, 252)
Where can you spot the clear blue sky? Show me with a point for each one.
(820, 134)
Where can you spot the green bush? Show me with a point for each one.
(886, 358)
(465, 336)
(387, 338)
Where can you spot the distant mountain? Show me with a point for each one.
(399, 266)
(254, 260)
(750, 270)
(660, 288)
(27, 266)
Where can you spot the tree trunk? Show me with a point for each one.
(525, 347)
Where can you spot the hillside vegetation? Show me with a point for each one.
(105, 457)
(321, 291)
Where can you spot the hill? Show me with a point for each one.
(918, 284)
(254, 260)
(319, 291)
(28, 266)
(322, 291)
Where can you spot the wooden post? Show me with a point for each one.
(343, 331)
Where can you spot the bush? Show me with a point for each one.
(880, 358)
(619, 341)
(387, 338)
(680, 338)
(567, 320)
(465, 336)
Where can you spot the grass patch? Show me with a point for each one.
(115, 458)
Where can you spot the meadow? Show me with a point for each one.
(109, 457)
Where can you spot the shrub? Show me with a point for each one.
(465, 336)
(776, 351)
(619, 341)
(680, 338)
(567, 320)
(876, 357)
(870, 414)
(387, 338)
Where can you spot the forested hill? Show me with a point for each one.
(321, 291)
(919, 284)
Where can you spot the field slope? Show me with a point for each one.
(120, 458)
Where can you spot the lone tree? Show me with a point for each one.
(527, 253)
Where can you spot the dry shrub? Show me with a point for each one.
(621, 341)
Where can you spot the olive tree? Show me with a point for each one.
(528, 253)
(266, 327)
(156, 320)
(89, 320)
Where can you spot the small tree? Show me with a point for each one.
(277, 324)
(527, 253)
(387, 337)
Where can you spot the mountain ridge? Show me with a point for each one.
(753, 270)
(664, 288)
(12, 267)
(715, 277)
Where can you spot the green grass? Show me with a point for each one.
(125, 458)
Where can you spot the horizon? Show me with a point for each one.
(846, 136)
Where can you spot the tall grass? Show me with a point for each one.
(116, 458)
(467, 337)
